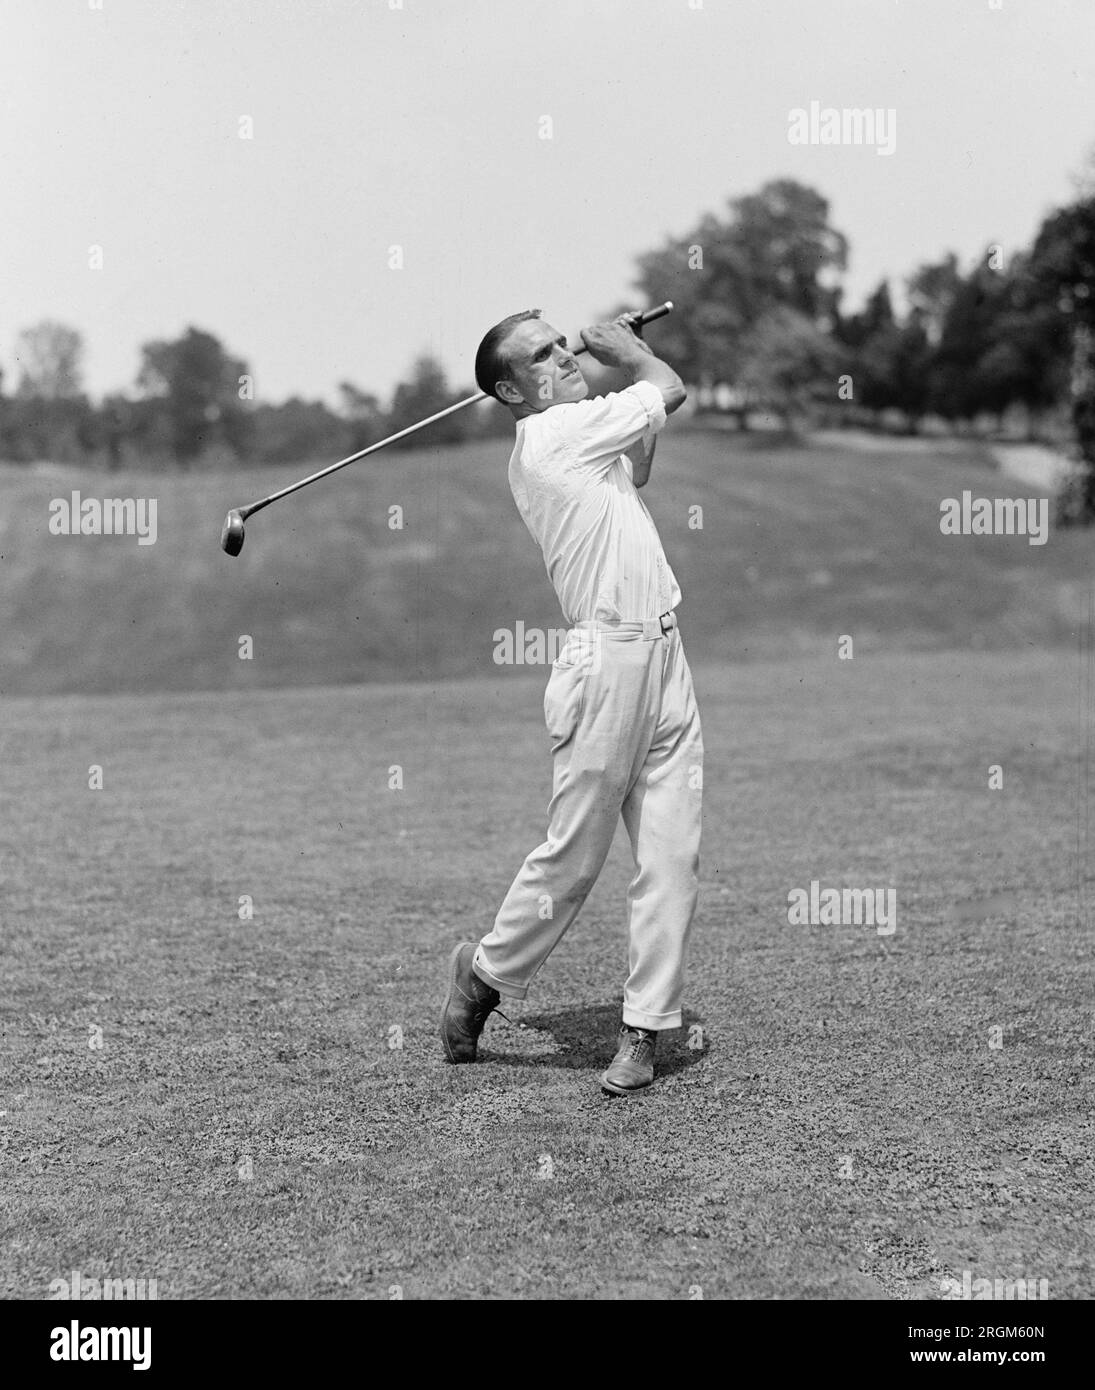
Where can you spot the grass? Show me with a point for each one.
(798, 545)
(825, 1050)
(268, 1114)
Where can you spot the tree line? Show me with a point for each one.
(759, 325)
(194, 405)
(758, 301)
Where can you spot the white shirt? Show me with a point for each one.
(573, 486)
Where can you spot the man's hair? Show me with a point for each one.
(491, 362)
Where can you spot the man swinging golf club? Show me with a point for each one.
(619, 704)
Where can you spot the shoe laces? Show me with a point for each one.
(640, 1042)
(482, 1006)
(483, 1009)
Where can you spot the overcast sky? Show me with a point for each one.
(420, 126)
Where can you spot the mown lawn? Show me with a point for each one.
(840, 1128)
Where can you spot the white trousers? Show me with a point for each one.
(626, 740)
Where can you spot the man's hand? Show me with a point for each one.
(616, 344)
(634, 321)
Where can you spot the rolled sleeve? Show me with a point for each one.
(598, 431)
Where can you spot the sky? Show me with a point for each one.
(419, 125)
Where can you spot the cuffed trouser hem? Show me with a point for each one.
(654, 1023)
(506, 987)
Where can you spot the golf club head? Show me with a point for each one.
(232, 533)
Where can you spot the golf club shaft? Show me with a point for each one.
(656, 313)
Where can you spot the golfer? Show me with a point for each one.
(619, 704)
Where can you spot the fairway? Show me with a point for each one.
(266, 1114)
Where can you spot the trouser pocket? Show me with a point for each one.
(563, 701)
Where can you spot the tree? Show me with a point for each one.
(50, 357)
(1026, 360)
(299, 431)
(116, 429)
(876, 315)
(931, 290)
(908, 368)
(197, 386)
(423, 395)
(775, 249)
(872, 340)
(967, 333)
(895, 359)
(1062, 266)
(1040, 335)
(788, 245)
(364, 413)
(48, 417)
(789, 363)
(890, 359)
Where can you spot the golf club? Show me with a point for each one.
(232, 534)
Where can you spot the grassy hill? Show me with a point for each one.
(799, 544)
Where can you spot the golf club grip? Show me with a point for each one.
(658, 312)
(648, 316)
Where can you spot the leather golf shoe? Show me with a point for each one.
(467, 1006)
(633, 1065)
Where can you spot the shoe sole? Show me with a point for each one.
(454, 960)
(615, 1090)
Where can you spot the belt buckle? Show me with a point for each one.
(668, 621)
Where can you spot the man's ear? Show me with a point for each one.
(508, 393)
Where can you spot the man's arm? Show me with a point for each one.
(596, 431)
(617, 345)
(641, 455)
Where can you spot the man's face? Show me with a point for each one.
(541, 367)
